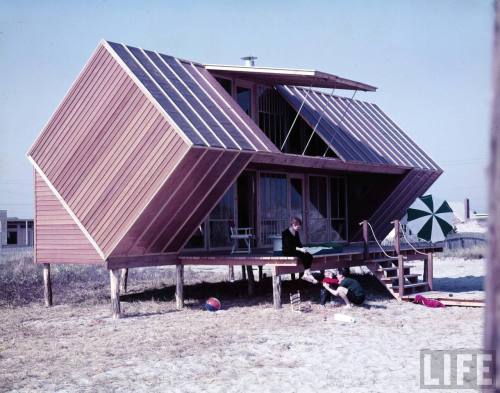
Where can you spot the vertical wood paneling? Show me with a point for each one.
(57, 237)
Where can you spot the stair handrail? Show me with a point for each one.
(407, 241)
(379, 245)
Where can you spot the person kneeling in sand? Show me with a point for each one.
(349, 290)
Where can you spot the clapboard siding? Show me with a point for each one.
(57, 237)
(107, 150)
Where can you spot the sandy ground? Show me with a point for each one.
(246, 347)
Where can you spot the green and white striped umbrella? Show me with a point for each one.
(430, 218)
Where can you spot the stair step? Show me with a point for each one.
(406, 270)
(407, 276)
(378, 260)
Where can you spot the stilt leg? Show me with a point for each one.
(179, 287)
(292, 276)
(429, 270)
(401, 288)
(47, 285)
(276, 289)
(230, 273)
(250, 281)
(243, 273)
(260, 273)
(114, 281)
(123, 280)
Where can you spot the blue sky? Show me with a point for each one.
(430, 60)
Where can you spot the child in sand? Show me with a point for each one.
(349, 290)
(331, 280)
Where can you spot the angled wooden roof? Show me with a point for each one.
(288, 76)
(356, 130)
(143, 137)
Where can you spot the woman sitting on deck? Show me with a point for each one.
(292, 246)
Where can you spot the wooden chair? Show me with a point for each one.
(238, 234)
(297, 305)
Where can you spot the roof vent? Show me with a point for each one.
(249, 60)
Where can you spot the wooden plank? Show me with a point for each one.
(47, 285)
(132, 261)
(114, 283)
(179, 286)
(276, 288)
(401, 277)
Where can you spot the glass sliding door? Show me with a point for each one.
(220, 220)
(317, 218)
(274, 214)
(338, 231)
(296, 198)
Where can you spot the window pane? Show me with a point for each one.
(244, 99)
(219, 234)
(226, 84)
(317, 197)
(198, 238)
(337, 230)
(274, 210)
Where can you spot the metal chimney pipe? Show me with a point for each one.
(249, 60)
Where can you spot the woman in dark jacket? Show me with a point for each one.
(292, 246)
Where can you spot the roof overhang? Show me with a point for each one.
(288, 76)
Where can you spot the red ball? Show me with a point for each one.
(212, 304)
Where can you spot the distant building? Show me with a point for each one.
(15, 231)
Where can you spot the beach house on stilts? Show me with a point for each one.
(153, 160)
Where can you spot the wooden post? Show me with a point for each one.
(292, 276)
(401, 277)
(276, 288)
(123, 280)
(429, 270)
(179, 286)
(250, 281)
(243, 272)
(114, 281)
(260, 273)
(492, 281)
(397, 237)
(365, 239)
(47, 285)
(467, 209)
(230, 273)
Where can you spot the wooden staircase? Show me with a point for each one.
(386, 271)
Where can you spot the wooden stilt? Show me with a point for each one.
(429, 270)
(260, 273)
(401, 277)
(123, 280)
(292, 276)
(47, 285)
(230, 273)
(179, 287)
(114, 281)
(250, 281)
(243, 272)
(276, 289)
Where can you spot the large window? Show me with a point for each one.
(244, 99)
(317, 223)
(327, 209)
(220, 220)
(274, 215)
(338, 228)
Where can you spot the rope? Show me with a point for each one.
(316, 126)
(380, 246)
(296, 117)
(341, 121)
(407, 241)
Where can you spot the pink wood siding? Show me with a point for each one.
(57, 237)
(186, 198)
(107, 150)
